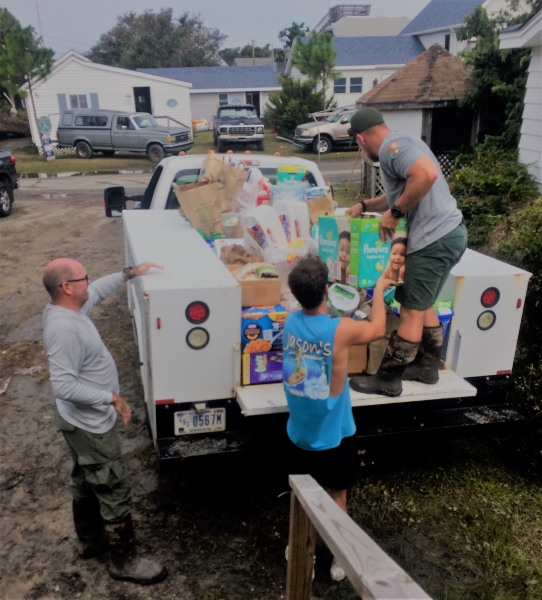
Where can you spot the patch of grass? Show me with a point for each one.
(29, 161)
(462, 527)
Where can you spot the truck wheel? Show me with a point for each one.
(83, 150)
(260, 146)
(6, 200)
(325, 145)
(221, 146)
(156, 153)
(215, 139)
(108, 152)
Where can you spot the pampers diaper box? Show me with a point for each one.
(334, 246)
(369, 255)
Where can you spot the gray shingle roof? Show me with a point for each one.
(439, 14)
(382, 50)
(223, 78)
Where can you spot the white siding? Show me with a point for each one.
(456, 46)
(530, 146)
(205, 105)
(409, 121)
(114, 89)
(368, 75)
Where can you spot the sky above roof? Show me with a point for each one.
(77, 25)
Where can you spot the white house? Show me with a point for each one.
(439, 21)
(77, 82)
(212, 86)
(364, 62)
(529, 35)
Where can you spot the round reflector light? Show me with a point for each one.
(197, 338)
(486, 320)
(490, 297)
(197, 312)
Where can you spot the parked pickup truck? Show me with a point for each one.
(322, 136)
(106, 131)
(187, 323)
(8, 182)
(237, 124)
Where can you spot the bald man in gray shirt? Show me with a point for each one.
(85, 383)
(416, 188)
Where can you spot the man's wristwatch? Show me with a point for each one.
(128, 272)
(396, 213)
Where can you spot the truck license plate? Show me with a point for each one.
(191, 421)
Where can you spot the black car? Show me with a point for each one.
(8, 182)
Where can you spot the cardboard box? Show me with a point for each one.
(334, 246)
(357, 359)
(370, 256)
(261, 367)
(260, 292)
(263, 324)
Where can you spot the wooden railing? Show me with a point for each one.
(374, 575)
(371, 181)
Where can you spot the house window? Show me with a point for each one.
(222, 99)
(356, 84)
(447, 42)
(78, 101)
(340, 86)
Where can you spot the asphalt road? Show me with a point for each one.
(334, 171)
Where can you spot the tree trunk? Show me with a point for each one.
(36, 118)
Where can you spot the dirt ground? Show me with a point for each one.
(220, 526)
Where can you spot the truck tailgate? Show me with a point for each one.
(269, 398)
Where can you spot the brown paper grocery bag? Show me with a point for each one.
(320, 207)
(231, 180)
(211, 167)
(200, 204)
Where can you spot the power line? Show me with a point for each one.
(63, 40)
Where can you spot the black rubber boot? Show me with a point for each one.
(387, 381)
(89, 527)
(427, 361)
(125, 563)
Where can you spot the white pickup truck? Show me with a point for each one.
(187, 321)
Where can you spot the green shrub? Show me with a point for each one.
(521, 245)
(292, 105)
(488, 184)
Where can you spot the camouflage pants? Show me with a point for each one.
(98, 469)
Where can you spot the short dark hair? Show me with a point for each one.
(53, 278)
(344, 235)
(400, 240)
(308, 281)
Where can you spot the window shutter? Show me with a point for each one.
(94, 102)
(62, 104)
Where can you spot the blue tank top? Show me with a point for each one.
(317, 420)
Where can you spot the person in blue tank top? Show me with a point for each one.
(315, 373)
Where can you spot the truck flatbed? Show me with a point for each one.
(266, 399)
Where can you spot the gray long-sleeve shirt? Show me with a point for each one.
(83, 373)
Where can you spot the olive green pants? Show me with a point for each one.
(98, 469)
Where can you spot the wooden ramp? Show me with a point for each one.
(374, 575)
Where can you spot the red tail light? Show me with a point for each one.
(490, 297)
(197, 312)
(12, 159)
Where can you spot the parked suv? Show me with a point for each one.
(107, 131)
(8, 182)
(333, 132)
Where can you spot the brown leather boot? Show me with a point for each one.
(125, 563)
(427, 361)
(89, 527)
(387, 381)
